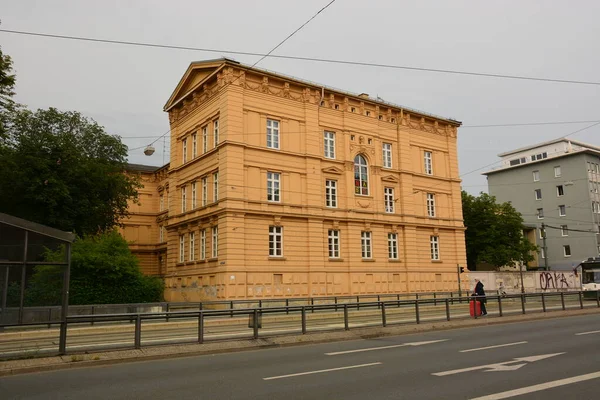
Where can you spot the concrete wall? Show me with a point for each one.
(546, 281)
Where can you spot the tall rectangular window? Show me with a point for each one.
(331, 193)
(567, 250)
(203, 244)
(329, 144)
(428, 163)
(560, 191)
(431, 205)
(557, 172)
(333, 239)
(365, 244)
(393, 246)
(204, 191)
(388, 198)
(273, 181)
(540, 213)
(387, 155)
(215, 241)
(538, 194)
(536, 176)
(562, 211)
(184, 150)
(275, 241)
(183, 199)
(272, 134)
(204, 139)
(192, 246)
(216, 132)
(181, 248)
(434, 244)
(216, 186)
(194, 197)
(194, 145)
(564, 230)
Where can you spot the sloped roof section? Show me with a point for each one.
(37, 228)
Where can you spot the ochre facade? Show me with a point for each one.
(282, 188)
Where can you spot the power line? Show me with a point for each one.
(300, 58)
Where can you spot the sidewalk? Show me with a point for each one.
(161, 352)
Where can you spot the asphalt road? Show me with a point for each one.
(96, 338)
(549, 359)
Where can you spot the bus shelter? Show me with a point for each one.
(24, 249)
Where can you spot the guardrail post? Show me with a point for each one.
(500, 305)
(93, 312)
(378, 301)
(434, 299)
(303, 320)
(452, 297)
(49, 317)
(259, 303)
(231, 309)
(138, 332)
(357, 302)
(200, 326)
(287, 304)
(417, 316)
(447, 309)
(523, 302)
(62, 340)
(255, 325)
(398, 298)
(598, 297)
(543, 302)
(383, 316)
(335, 299)
(562, 300)
(346, 317)
(167, 312)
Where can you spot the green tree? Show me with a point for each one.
(63, 170)
(494, 232)
(7, 90)
(103, 271)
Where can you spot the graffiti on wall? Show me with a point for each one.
(553, 280)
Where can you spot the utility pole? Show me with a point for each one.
(459, 288)
(545, 247)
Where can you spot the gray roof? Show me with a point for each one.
(562, 139)
(37, 228)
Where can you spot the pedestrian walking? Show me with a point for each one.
(480, 293)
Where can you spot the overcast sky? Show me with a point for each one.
(124, 88)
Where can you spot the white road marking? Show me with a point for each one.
(384, 347)
(320, 371)
(541, 386)
(492, 347)
(498, 366)
(586, 333)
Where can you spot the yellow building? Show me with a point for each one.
(282, 187)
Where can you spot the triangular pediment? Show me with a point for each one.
(196, 74)
(390, 178)
(333, 170)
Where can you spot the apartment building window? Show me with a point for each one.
(181, 248)
(428, 163)
(567, 250)
(434, 244)
(562, 211)
(194, 145)
(393, 246)
(361, 176)
(204, 191)
(539, 156)
(564, 230)
(272, 134)
(595, 207)
(333, 239)
(536, 176)
(541, 233)
(215, 241)
(183, 199)
(204, 139)
(216, 186)
(540, 213)
(203, 244)
(387, 155)
(557, 171)
(192, 246)
(329, 144)
(216, 132)
(194, 197)
(184, 150)
(365, 242)
(275, 241)
(331, 193)
(560, 191)
(273, 182)
(431, 205)
(161, 202)
(388, 196)
(538, 194)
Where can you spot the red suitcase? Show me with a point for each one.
(475, 306)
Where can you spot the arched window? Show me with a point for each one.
(361, 176)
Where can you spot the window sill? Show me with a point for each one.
(212, 259)
(276, 258)
(368, 260)
(335, 259)
(437, 261)
(394, 260)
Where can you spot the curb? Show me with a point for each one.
(14, 367)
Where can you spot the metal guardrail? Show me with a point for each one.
(254, 315)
